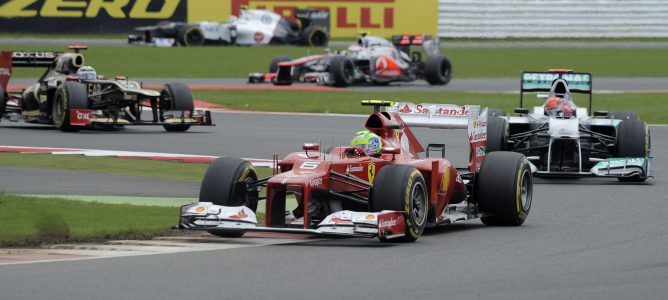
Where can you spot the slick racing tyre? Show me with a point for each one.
(622, 115)
(504, 189)
(273, 66)
(314, 36)
(633, 140)
(402, 188)
(3, 103)
(70, 94)
(438, 70)
(190, 36)
(342, 71)
(497, 134)
(176, 98)
(226, 183)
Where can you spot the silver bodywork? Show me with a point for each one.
(547, 135)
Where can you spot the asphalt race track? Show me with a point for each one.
(584, 239)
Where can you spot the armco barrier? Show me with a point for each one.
(552, 18)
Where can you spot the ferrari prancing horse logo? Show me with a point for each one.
(371, 171)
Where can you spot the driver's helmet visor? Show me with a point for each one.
(560, 108)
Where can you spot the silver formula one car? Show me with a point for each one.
(563, 140)
(372, 60)
(251, 27)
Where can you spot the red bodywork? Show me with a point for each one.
(305, 173)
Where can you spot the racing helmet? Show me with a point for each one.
(368, 141)
(559, 107)
(87, 73)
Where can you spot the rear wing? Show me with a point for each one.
(313, 17)
(35, 59)
(428, 42)
(449, 116)
(580, 83)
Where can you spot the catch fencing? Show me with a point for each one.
(552, 18)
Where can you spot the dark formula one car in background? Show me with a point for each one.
(252, 27)
(563, 140)
(347, 193)
(373, 60)
(71, 96)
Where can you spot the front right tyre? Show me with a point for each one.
(226, 183)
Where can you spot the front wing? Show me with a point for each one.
(629, 167)
(208, 216)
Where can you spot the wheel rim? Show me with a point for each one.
(526, 190)
(348, 72)
(195, 38)
(445, 70)
(318, 39)
(59, 111)
(418, 204)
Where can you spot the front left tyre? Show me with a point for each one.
(69, 95)
(633, 140)
(226, 183)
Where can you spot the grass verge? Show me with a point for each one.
(30, 220)
(108, 165)
(650, 107)
(237, 62)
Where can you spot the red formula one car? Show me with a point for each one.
(393, 196)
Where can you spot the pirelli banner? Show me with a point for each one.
(347, 17)
(87, 16)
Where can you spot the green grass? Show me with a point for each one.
(650, 107)
(108, 165)
(237, 62)
(34, 219)
(193, 172)
(29, 220)
(176, 62)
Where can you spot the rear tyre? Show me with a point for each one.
(633, 140)
(226, 183)
(191, 36)
(3, 103)
(622, 115)
(438, 70)
(70, 94)
(314, 36)
(402, 188)
(505, 189)
(273, 66)
(176, 97)
(497, 134)
(342, 70)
